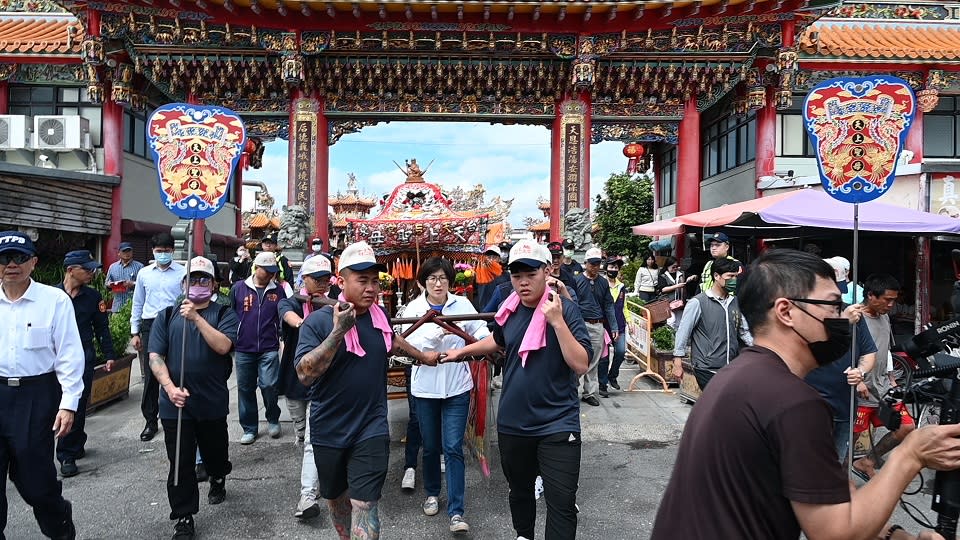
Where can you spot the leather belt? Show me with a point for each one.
(593, 321)
(25, 381)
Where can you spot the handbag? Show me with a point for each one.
(676, 304)
(659, 311)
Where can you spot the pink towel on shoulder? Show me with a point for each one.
(380, 322)
(535, 337)
(308, 305)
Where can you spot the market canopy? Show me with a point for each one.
(806, 208)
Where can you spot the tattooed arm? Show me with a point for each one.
(316, 362)
(402, 347)
(158, 365)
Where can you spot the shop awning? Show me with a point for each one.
(806, 208)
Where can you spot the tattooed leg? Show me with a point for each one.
(365, 520)
(340, 515)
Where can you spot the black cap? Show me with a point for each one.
(719, 237)
(81, 257)
(568, 244)
(16, 241)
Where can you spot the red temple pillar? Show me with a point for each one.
(688, 160)
(556, 178)
(295, 95)
(4, 97)
(238, 194)
(914, 142)
(112, 138)
(321, 199)
(766, 140)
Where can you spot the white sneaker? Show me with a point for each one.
(307, 508)
(431, 506)
(458, 525)
(409, 482)
(538, 487)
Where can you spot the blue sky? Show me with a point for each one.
(510, 161)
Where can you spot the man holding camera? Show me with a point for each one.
(761, 464)
(881, 295)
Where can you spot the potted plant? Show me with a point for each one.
(109, 386)
(663, 341)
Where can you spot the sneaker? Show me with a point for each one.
(218, 490)
(592, 401)
(202, 475)
(614, 384)
(69, 468)
(307, 508)
(431, 506)
(273, 430)
(604, 393)
(184, 529)
(409, 482)
(538, 488)
(248, 438)
(458, 525)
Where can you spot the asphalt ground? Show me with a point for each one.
(629, 446)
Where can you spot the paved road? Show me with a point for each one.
(629, 448)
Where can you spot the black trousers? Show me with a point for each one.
(557, 459)
(27, 413)
(210, 436)
(71, 445)
(703, 376)
(150, 400)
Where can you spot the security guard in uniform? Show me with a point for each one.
(92, 320)
(41, 379)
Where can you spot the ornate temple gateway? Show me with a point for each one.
(311, 71)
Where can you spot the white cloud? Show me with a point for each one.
(510, 161)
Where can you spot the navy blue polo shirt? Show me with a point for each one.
(205, 371)
(93, 320)
(541, 398)
(349, 401)
(830, 380)
(593, 296)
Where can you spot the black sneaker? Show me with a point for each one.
(69, 468)
(184, 529)
(614, 384)
(218, 490)
(592, 400)
(202, 475)
(603, 392)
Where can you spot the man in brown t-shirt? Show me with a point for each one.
(756, 460)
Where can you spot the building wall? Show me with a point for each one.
(667, 212)
(735, 185)
(141, 199)
(48, 203)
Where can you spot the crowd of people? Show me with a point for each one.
(764, 463)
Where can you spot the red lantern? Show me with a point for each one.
(250, 147)
(634, 151)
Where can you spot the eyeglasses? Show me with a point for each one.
(203, 281)
(836, 304)
(16, 258)
(437, 279)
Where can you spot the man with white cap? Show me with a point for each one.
(315, 273)
(210, 331)
(546, 346)
(841, 266)
(256, 300)
(342, 354)
(596, 305)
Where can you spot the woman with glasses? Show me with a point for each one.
(442, 393)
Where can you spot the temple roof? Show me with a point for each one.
(39, 35)
(543, 226)
(261, 220)
(883, 40)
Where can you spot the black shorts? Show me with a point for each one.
(361, 469)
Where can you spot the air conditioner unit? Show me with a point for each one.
(15, 131)
(61, 132)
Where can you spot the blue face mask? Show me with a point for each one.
(163, 258)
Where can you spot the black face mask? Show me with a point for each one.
(837, 343)
(612, 273)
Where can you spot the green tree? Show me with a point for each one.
(628, 202)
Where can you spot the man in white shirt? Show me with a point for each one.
(158, 286)
(41, 379)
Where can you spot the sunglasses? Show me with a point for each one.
(16, 258)
(836, 304)
(203, 281)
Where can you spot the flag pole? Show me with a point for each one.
(854, 357)
(183, 353)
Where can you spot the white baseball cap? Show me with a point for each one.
(203, 265)
(317, 266)
(492, 248)
(528, 253)
(359, 256)
(268, 261)
(838, 263)
(593, 255)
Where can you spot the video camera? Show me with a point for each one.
(937, 370)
